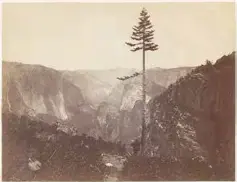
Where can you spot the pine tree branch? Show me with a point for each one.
(147, 23)
(136, 49)
(149, 27)
(151, 48)
(149, 44)
(130, 44)
(137, 29)
(143, 13)
(155, 47)
(144, 18)
(137, 34)
(136, 38)
(149, 39)
(144, 23)
(149, 34)
(141, 24)
(120, 78)
(128, 77)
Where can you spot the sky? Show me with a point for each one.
(92, 35)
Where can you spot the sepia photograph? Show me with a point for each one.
(118, 91)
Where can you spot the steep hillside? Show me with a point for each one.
(194, 118)
(165, 77)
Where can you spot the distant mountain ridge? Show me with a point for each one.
(93, 89)
(76, 97)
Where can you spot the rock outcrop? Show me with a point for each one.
(38, 91)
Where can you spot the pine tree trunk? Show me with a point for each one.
(144, 101)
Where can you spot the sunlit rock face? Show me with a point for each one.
(119, 117)
(35, 90)
(192, 117)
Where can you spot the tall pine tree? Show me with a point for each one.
(142, 37)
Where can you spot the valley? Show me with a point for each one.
(84, 114)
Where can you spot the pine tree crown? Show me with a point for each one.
(143, 34)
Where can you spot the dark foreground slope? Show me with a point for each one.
(194, 118)
(63, 157)
(66, 157)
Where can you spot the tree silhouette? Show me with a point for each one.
(142, 37)
(128, 77)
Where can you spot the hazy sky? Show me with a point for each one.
(92, 36)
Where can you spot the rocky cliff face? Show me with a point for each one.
(165, 77)
(120, 116)
(39, 91)
(194, 117)
(126, 93)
